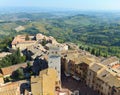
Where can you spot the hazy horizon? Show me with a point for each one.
(93, 5)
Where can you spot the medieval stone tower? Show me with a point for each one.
(54, 60)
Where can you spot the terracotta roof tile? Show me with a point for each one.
(9, 70)
(21, 39)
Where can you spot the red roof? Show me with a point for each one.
(10, 69)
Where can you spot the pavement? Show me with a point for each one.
(72, 85)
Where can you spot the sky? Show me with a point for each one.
(68, 4)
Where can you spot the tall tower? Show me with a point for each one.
(54, 60)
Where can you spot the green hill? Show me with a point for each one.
(96, 30)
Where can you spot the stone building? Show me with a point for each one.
(92, 73)
(54, 60)
(20, 42)
(101, 79)
(102, 75)
(1, 79)
(7, 71)
(12, 88)
(48, 39)
(46, 83)
(75, 64)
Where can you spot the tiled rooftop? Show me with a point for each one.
(108, 78)
(110, 60)
(11, 88)
(21, 39)
(10, 69)
(117, 66)
(96, 67)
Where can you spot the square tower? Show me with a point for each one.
(54, 60)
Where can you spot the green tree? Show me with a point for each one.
(12, 59)
(27, 37)
(44, 42)
(97, 53)
(93, 51)
(18, 74)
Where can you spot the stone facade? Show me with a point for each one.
(100, 75)
(54, 60)
(45, 83)
(20, 42)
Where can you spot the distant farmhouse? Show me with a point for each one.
(19, 28)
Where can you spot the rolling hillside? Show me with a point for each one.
(97, 30)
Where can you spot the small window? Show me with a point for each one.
(56, 83)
